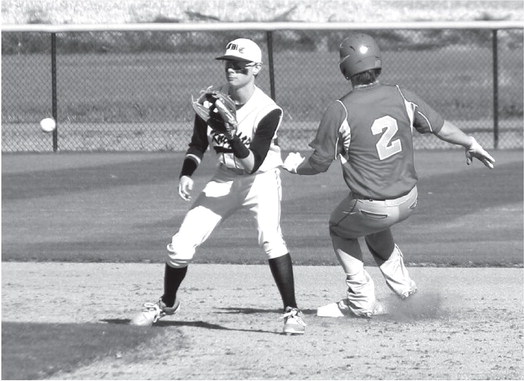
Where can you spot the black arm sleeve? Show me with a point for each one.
(239, 149)
(197, 146)
(188, 167)
(263, 136)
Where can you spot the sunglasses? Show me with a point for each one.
(238, 66)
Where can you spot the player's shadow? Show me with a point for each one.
(200, 324)
(250, 311)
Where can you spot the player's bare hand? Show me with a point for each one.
(475, 150)
(185, 186)
(292, 161)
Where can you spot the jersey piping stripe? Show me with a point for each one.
(415, 110)
(410, 109)
(425, 118)
(345, 131)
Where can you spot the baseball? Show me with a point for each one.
(48, 124)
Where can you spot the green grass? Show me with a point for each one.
(37, 351)
(125, 208)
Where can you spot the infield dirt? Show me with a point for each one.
(465, 323)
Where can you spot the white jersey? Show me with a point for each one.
(248, 118)
(232, 187)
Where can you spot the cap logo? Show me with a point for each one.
(363, 49)
(242, 49)
(232, 46)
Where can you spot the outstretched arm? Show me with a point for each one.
(296, 163)
(454, 135)
(325, 144)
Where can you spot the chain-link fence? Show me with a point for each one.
(131, 90)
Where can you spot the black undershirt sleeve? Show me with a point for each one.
(263, 137)
(239, 149)
(188, 167)
(197, 147)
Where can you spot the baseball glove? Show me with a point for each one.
(218, 110)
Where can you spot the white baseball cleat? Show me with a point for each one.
(379, 309)
(293, 322)
(341, 309)
(152, 312)
(412, 291)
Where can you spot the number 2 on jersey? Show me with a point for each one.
(387, 126)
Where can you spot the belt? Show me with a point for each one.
(359, 196)
(236, 171)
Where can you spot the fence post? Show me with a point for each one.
(495, 91)
(53, 90)
(269, 36)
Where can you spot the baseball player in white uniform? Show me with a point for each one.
(370, 129)
(247, 177)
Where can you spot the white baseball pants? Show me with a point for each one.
(226, 193)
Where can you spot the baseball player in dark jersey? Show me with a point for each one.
(370, 130)
(247, 177)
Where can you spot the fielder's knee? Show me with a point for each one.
(275, 249)
(179, 254)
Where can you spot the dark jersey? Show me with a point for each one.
(371, 130)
